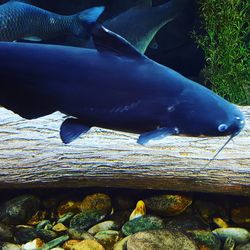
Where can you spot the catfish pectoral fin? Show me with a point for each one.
(156, 134)
(71, 129)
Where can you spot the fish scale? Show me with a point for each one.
(24, 21)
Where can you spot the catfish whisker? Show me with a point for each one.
(230, 138)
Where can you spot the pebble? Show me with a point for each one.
(143, 223)
(6, 232)
(139, 210)
(184, 228)
(19, 209)
(68, 207)
(87, 219)
(105, 225)
(88, 245)
(54, 243)
(160, 240)
(229, 244)
(205, 239)
(122, 244)
(25, 234)
(108, 238)
(37, 218)
(80, 235)
(239, 235)
(243, 247)
(220, 223)
(185, 222)
(42, 224)
(97, 202)
(9, 246)
(32, 245)
(69, 244)
(48, 227)
(59, 227)
(167, 204)
(65, 219)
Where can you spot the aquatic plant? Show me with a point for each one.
(225, 40)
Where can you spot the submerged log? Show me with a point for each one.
(32, 155)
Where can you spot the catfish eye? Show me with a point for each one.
(222, 127)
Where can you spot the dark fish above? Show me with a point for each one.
(140, 24)
(19, 20)
(113, 87)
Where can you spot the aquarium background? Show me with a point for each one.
(209, 43)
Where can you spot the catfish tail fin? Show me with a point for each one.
(86, 19)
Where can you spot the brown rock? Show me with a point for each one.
(37, 218)
(68, 206)
(59, 227)
(108, 238)
(160, 240)
(69, 244)
(167, 204)
(97, 202)
(88, 245)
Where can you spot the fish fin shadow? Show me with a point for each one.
(71, 129)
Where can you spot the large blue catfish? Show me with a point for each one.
(114, 87)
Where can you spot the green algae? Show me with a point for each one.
(225, 40)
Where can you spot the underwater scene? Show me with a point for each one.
(124, 124)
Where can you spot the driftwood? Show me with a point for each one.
(32, 155)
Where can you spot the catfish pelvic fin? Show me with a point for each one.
(108, 41)
(71, 129)
(156, 134)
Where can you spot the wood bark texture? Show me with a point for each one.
(32, 155)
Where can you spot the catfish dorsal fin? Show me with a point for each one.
(108, 41)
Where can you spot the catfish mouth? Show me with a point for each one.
(224, 129)
(236, 127)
